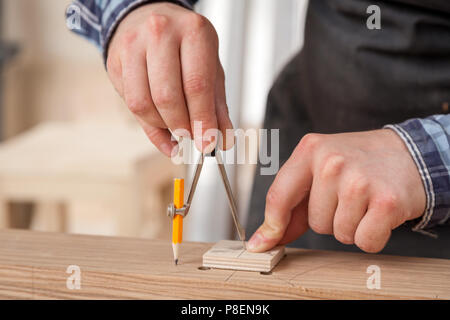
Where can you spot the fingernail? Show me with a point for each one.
(182, 133)
(175, 150)
(208, 145)
(205, 145)
(227, 141)
(254, 242)
(198, 143)
(231, 139)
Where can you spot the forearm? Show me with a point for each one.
(96, 20)
(428, 142)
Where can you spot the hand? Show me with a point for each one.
(163, 61)
(355, 186)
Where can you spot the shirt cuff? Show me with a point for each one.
(111, 20)
(425, 140)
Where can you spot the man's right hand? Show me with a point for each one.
(163, 60)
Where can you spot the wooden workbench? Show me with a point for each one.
(33, 265)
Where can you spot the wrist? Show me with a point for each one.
(411, 143)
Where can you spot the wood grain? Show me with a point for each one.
(229, 254)
(33, 266)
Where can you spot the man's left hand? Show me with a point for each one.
(356, 186)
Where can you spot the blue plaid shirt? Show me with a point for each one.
(427, 139)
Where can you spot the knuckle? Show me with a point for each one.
(128, 39)
(163, 96)
(387, 203)
(273, 230)
(198, 25)
(138, 107)
(332, 166)
(309, 142)
(157, 24)
(356, 187)
(196, 85)
(197, 22)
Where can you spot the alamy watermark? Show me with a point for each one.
(374, 281)
(249, 147)
(73, 17)
(374, 20)
(73, 282)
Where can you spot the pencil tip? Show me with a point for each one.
(176, 261)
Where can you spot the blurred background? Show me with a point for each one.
(72, 158)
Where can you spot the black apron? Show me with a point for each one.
(350, 78)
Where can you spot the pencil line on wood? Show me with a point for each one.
(317, 268)
(230, 276)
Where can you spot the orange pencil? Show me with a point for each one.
(177, 221)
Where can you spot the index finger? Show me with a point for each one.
(291, 185)
(199, 70)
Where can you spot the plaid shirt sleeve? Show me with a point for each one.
(96, 20)
(428, 141)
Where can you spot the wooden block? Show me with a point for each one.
(35, 265)
(228, 254)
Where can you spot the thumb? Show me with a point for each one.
(290, 187)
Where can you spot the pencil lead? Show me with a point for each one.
(176, 261)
